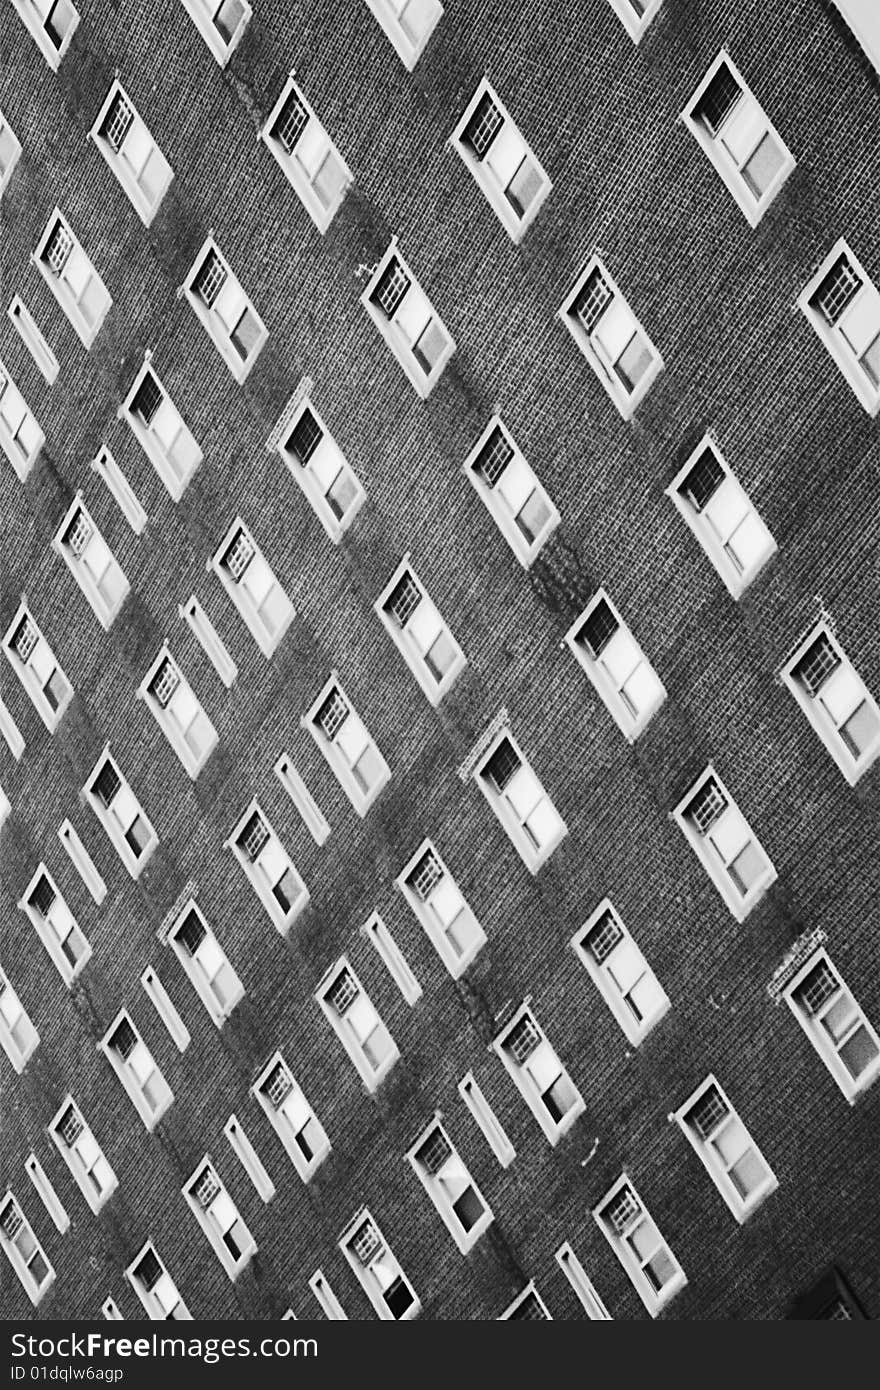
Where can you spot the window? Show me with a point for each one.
(245, 575)
(117, 484)
(351, 752)
(842, 304)
(55, 925)
(224, 309)
(650, 1264)
(528, 1306)
(206, 963)
(345, 1003)
(10, 149)
(32, 660)
(512, 179)
(618, 669)
(439, 1168)
(133, 1063)
(121, 814)
(330, 1305)
(20, 435)
(132, 153)
(23, 1250)
(725, 844)
(18, 1036)
(509, 489)
(52, 24)
(611, 338)
(406, 319)
(488, 1122)
(581, 1283)
(726, 1149)
(28, 330)
(209, 640)
(221, 24)
(745, 148)
(110, 1311)
(308, 157)
(836, 701)
(377, 1271)
(419, 632)
(408, 24)
(518, 799)
(72, 278)
(83, 1155)
(11, 732)
(165, 1008)
(89, 559)
(82, 861)
(635, 15)
(291, 1117)
(179, 714)
(209, 1201)
(538, 1074)
(620, 972)
(159, 428)
(269, 867)
(438, 903)
(320, 470)
(155, 1288)
(378, 934)
(830, 1299)
(312, 816)
(835, 1024)
(718, 511)
(248, 1158)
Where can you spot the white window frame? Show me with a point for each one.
(175, 479)
(832, 335)
(22, 459)
(15, 152)
(122, 167)
(483, 172)
(209, 639)
(345, 1031)
(27, 673)
(155, 1304)
(81, 1167)
(321, 147)
(166, 1009)
(826, 725)
(634, 24)
(712, 860)
(268, 642)
(134, 1088)
(329, 1303)
(452, 1175)
(49, 935)
(69, 302)
(108, 470)
(110, 1311)
(259, 881)
(193, 762)
(134, 863)
(306, 1167)
(312, 816)
(11, 732)
(35, 1290)
(583, 1286)
(610, 681)
(29, 13)
(726, 164)
(325, 454)
(335, 756)
(410, 641)
(495, 501)
(514, 826)
(29, 331)
(202, 12)
(711, 1159)
(388, 12)
(526, 1083)
(603, 977)
(104, 610)
(371, 1282)
(654, 1300)
(851, 1087)
(486, 1120)
(196, 973)
(82, 861)
(379, 935)
(433, 919)
(248, 1158)
(736, 578)
(209, 317)
(10, 1003)
(396, 337)
(212, 1222)
(602, 363)
(509, 1314)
